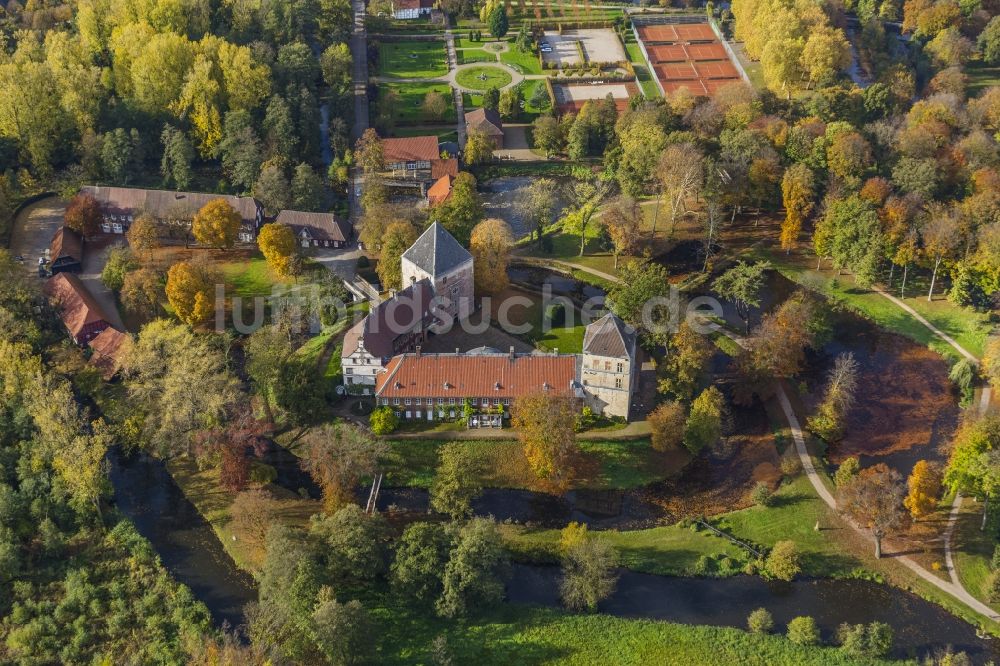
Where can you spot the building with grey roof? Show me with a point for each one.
(438, 257)
(609, 366)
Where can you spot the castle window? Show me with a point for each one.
(618, 382)
(607, 365)
(621, 367)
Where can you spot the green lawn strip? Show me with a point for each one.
(615, 464)
(475, 55)
(973, 550)
(793, 516)
(483, 77)
(515, 634)
(525, 63)
(528, 89)
(409, 108)
(967, 327)
(462, 41)
(668, 551)
(567, 339)
(250, 277)
(412, 59)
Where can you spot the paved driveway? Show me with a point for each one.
(33, 231)
(32, 235)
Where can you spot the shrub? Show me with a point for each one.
(363, 262)
(704, 566)
(803, 631)
(791, 465)
(858, 640)
(555, 314)
(760, 621)
(995, 562)
(783, 561)
(761, 495)
(992, 586)
(847, 470)
(383, 421)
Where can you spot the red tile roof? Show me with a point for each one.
(109, 348)
(440, 190)
(77, 306)
(476, 376)
(410, 149)
(441, 168)
(66, 243)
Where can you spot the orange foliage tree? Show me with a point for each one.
(546, 428)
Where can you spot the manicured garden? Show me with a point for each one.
(483, 78)
(412, 59)
(407, 103)
(642, 73)
(468, 56)
(523, 61)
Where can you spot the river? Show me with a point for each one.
(189, 549)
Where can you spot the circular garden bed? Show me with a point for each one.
(483, 77)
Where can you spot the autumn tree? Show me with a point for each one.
(536, 203)
(142, 293)
(337, 457)
(252, 513)
(783, 562)
(435, 105)
(368, 152)
(588, 575)
(941, 235)
(143, 235)
(478, 148)
(216, 224)
(778, 345)
(639, 283)
(399, 236)
(797, 197)
(622, 220)
(456, 481)
(688, 353)
(851, 234)
(267, 350)
(741, 284)
(490, 245)
(190, 291)
(704, 424)
(974, 464)
(462, 210)
(666, 424)
(545, 426)
(83, 215)
(828, 421)
(178, 385)
(924, 485)
(681, 173)
(990, 364)
(277, 244)
(874, 498)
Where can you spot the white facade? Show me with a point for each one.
(360, 369)
(457, 285)
(608, 383)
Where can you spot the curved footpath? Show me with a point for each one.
(953, 588)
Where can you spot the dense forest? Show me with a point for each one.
(172, 94)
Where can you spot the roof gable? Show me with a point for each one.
(66, 243)
(437, 252)
(77, 306)
(485, 120)
(390, 319)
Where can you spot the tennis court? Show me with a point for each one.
(685, 53)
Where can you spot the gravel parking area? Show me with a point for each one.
(599, 45)
(33, 231)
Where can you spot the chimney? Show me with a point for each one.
(512, 352)
(456, 351)
(556, 352)
(418, 351)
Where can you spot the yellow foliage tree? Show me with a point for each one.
(490, 248)
(216, 224)
(545, 426)
(924, 486)
(190, 291)
(399, 236)
(796, 194)
(277, 244)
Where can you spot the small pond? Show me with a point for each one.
(537, 278)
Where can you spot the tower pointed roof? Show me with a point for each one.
(437, 252)
(609, 336)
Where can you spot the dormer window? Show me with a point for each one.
(545, 386)
(397, 385)
(496, 387)
(447, 385)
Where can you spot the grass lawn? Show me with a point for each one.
(794, 515)
(249, 277)
(462, 41)
(642, 73)
(483, 78)
(512, 634)
(528, 89)
(973, 550)
(525, 63)
(967, 327)
(605, 465)
(669, 551)
(412, 60)
(408, 105)
(981, 76)
(475, 55)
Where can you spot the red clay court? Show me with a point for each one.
(687, 55)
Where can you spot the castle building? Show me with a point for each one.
(608, 368)
(438, 257)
